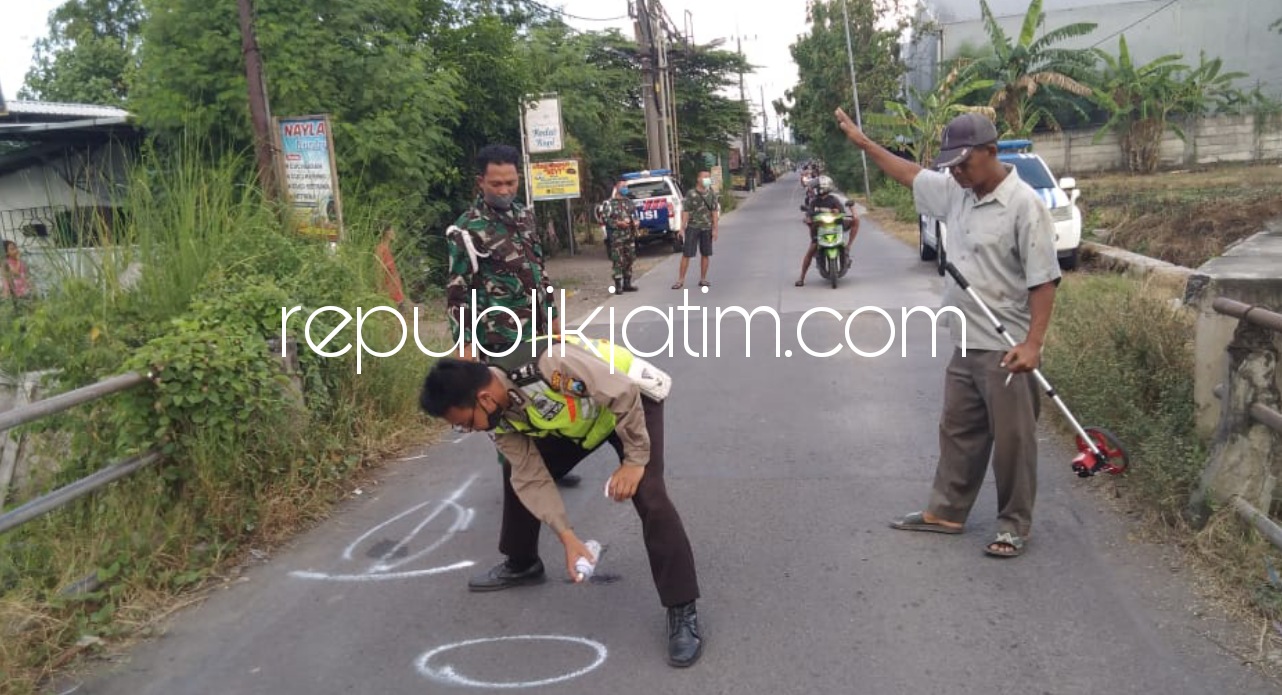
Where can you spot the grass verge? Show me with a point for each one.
(1122, 355)
(249, 458)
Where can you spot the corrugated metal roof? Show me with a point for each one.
(62, 110)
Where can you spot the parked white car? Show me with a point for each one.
(659, 204)
(1061, 198)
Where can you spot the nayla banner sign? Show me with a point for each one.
(555, 180)
(543, 126)
(311, 177)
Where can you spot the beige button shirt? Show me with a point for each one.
(1003, 245)
(580, 372)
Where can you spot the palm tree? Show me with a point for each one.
(1020, 70)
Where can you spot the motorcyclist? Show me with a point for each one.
(825, 200)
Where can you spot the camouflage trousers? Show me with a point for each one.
(623, 251)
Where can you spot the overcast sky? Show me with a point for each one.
(24, 22)
(766, 31)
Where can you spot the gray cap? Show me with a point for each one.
(963, 134)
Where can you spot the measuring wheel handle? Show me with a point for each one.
(1108, 456)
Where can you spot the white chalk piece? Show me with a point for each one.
(447, 674)
(583, 566)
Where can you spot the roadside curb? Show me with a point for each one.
(1134, 264)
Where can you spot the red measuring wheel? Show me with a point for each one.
(1109, 456)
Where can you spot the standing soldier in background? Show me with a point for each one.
(621, 236)
(495, 251)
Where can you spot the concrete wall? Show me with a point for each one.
(1210, 140)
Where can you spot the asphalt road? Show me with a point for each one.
(786, 471)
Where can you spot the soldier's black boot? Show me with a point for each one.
(684, 644)
(627, 284)
(618, 286)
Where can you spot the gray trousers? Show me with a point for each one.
(982, 419)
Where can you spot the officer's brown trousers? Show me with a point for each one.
(666, 543)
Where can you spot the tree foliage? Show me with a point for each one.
(825, 82)
(89, 55)
(414, 88)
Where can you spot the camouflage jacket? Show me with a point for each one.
(509, 273)
(616, 213)
(701, 207)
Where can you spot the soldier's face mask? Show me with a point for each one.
(499, 202)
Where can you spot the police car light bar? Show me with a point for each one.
(1005, 145)
(645, 174)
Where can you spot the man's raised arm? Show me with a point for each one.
(896, 167)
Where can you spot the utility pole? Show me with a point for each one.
(765, 124)
(259, 111)
(854, 83)
(653, 93)
(747, 124)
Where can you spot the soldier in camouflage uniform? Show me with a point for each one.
(495, 250)
(700, 217)
(620, 226)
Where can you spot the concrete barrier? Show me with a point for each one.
(1249, 272)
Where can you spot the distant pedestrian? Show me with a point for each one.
(14, 281)
(391, 279)
(700, 219)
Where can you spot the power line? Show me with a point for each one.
(1138, 21)
(567, 15)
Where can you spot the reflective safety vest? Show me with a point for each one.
(555, 404)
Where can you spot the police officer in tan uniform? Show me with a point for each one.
(548, 414)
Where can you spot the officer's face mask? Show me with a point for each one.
(492, 419)
(707, 183)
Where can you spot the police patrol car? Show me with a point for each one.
(1061, 198)
(659, 203)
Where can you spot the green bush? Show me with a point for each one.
(891, 195)
(247, 457)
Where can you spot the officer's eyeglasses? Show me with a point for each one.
(468, 429)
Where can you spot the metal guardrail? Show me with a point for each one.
(1258, 412)
(56, 404)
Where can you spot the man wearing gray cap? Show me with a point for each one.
(1002, 240)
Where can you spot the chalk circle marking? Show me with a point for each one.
(447, 673)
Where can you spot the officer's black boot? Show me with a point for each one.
(627, 284)
(684, 644)
(618, 286)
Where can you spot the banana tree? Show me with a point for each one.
(1020, 70)
(1144, 101)
(920, 132)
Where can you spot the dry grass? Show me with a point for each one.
(1124, 353)
(1183, 217)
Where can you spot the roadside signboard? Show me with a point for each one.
(309, 172)
(559, 180)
